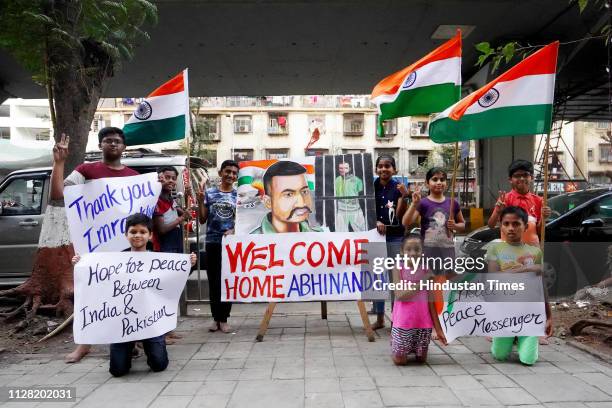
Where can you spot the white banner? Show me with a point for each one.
(127, 296)
(502, 305)
(294, 267)
(97, 210)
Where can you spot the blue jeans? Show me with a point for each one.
(121, 355)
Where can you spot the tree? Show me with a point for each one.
(72, 48)
(204, 131)
(441, 156)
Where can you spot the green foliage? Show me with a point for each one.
(441, 156)
(36, 31)
(508, 51)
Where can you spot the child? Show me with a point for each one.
(413, 314)
(390, 207)
(218, 207)
(112, 144)
(168, 217)
(138, 230)
(516, 256)
(437, 225)
(520, 175)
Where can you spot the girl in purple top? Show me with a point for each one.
(413, 314)
(437, 226)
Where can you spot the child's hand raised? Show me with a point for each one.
(501, 200)
(193, 258)
(416, 197)
(402, 189)
(75, 259)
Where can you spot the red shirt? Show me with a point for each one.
(532, 204)
(529, 202)
(98, 170)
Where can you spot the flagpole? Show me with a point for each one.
(188, 135)
(545, 192)
(454, 180)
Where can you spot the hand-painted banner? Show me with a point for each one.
(127, 296)
(97, 210)
(494, 305)
(294, 267)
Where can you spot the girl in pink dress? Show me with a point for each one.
(414, 313)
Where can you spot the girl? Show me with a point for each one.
(437, 226)
(414, 313)
(390, 207)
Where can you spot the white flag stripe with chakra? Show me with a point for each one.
(163, 116)
(518, 102)
(430, 85)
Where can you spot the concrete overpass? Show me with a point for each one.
(284, 47)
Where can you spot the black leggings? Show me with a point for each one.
(220, 310)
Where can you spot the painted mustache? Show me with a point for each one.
(292, 213)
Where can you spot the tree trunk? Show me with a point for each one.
(78, 80)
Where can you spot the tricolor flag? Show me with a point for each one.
(252, 172)
(430, 85)
(163, 116)
(518, 102)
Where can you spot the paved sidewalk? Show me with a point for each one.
(308, 362)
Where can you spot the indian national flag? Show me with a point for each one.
(430, 85)
(518, 102)
(163, 116)
(252, 172)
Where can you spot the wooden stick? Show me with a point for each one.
(453, 181)
(365, 320)
(545, 192)
(265, 322)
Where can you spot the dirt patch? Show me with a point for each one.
(20, 337)
(565, 314)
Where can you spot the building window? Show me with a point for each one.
(353, 124)
(43, 134)
(353, 151)
(243, 154)
(605, 153)
(207, 127)
(5, 111)
(388, 152)
(5, 133)
(418, 158)
(419, 128)
(242, 124)
(390, 127)
(602, 125)
(210, 156)
(590, 155)
(316, 152)
(277, 124)
(277, 154)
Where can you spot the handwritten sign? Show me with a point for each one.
(495, 305)
(97, 210)
(127, 296)
(294, 267)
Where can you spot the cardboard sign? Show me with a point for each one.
(127, 296)
(97, 210)
(294, 267)
(495, 305)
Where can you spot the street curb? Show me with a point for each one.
(592, 351)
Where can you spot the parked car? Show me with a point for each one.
(24, 195)
(578, 238)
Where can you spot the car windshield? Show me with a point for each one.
(564, 203)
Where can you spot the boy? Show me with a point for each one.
(138, 230)
(112, 143)
(168, 218)
(218, 206)
(515, 256)
(520, 175)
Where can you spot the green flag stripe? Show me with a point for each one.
(155, 131)
(508, 121)
(421, 101)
